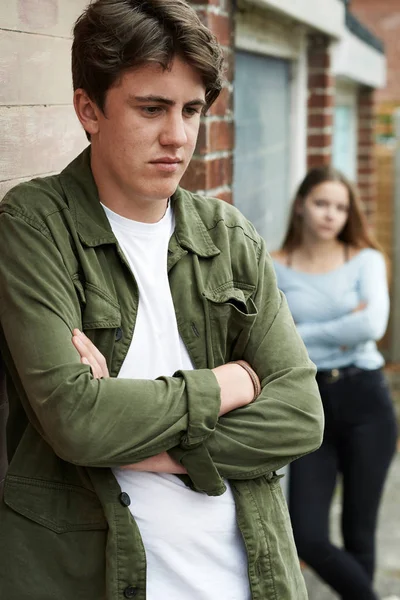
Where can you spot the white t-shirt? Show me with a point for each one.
(194, 548)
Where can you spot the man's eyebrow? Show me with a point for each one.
(163, 100)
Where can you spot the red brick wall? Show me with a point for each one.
(320, 102)
(366, 167)
(211, 167)
(382, 17)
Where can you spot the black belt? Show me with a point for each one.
(334, 375)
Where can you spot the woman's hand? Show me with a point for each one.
(362, 306)
(90, 355)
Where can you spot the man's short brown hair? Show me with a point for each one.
(113, 36)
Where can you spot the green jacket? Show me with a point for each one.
(66, 531)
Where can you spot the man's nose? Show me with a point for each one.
(174, 131)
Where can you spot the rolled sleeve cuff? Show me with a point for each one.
(201, 470)
(203, 402)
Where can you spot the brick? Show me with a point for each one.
(366, 137)
(222, 27)
(321, 140)
(195, 177)
(317, 160)
(226, 196)
(320, 80)
(318, 59)
(365, 151)
(321, 120)
(205, 174)
(202, 138)
(220, 136)
(366, 171)
(219, 172)
(205, 2)
(320, 100)
(223, 104)
(366, 99)
(214, 136)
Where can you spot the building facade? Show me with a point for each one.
(299, 92)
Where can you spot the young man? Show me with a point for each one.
(157, 481)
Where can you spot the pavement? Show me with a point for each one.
(387, 579)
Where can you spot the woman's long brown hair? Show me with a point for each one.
(355, 232)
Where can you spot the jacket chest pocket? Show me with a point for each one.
(101, 316)
(231, 316)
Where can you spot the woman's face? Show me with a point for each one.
(325, 210)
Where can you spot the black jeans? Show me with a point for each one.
(359, 443)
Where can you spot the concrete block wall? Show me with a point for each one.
(39, 131)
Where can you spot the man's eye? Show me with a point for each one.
(151, 110)
(190, 111)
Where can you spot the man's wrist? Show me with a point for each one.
(252, 374)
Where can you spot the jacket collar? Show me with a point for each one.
(92, 223)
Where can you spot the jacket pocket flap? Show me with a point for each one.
(237, 295)
(57, 506)
(99, 310)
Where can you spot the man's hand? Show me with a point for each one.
(90, 355)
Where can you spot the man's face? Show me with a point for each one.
(147, 134)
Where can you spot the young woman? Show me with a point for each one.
(335, 281)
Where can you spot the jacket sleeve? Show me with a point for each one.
(361, 326)
(88, 422)
(286, 421)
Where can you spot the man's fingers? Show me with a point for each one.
(95, 352)
(90, 360)
(93, 357)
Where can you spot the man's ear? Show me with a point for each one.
(86, 111)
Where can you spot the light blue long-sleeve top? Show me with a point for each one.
(321, 306)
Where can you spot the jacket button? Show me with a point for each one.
(118, 334)
(130, 592)
(124, 499)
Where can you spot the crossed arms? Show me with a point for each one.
(115, 422)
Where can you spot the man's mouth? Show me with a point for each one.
(168, 164)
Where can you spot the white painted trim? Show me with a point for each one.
(356, 60)
(346, 94)
(267, 36)
(326, 16)
(299, 94)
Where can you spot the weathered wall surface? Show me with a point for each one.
(383, 19)
(39, 131)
